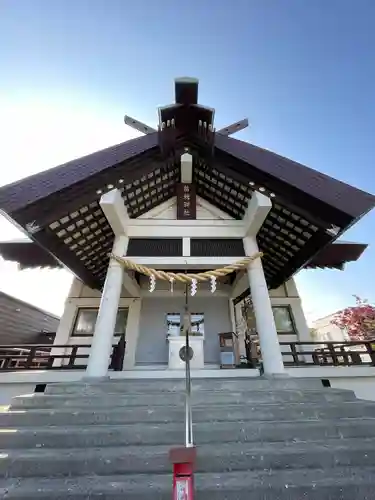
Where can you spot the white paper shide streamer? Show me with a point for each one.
(213, 284)
(152, 283)
(194, 286)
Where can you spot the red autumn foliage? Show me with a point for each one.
(358, 321)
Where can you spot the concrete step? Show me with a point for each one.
(152, 386)
(173, 433)
(151, 400)
(211, 458)
(217, 413)
(341, 484)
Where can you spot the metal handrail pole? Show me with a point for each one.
(188, 409)
(184, 459)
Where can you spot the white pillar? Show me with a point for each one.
(265, 323)
(186, 247)
(234, 330)
(186, 168)
(101, 348)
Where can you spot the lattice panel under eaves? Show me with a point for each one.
(151, 190)
(283, 235)
(88, 235)
(86, 231)
(224, 192)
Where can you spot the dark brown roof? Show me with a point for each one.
(60, 208)
(337, 254)
(29, 190)
(309, 182)
(28, 254)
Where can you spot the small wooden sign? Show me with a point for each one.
(227, 358)
(186, 201)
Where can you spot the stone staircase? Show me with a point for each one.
(257, 439)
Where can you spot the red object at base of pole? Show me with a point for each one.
(183, 460)
(183, 482)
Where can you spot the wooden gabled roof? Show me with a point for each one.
(28, 254)
(336, 255)
(30, 190)
(60, 209)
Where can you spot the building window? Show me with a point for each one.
(197, 324)
(283, 320)
(84, 324)
(173, 324)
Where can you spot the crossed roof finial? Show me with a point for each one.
(186, 94)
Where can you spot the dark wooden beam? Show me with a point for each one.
(319, 241)
(281, 193)
(59, 204)
(54, 246)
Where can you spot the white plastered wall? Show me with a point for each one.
(292, 299)
(83, 296)
(285, 295)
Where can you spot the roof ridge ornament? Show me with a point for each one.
(138, 125)
(234, 127)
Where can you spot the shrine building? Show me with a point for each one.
(184, 199)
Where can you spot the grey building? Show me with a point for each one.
(23, 323)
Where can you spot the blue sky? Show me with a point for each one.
(302, 71)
